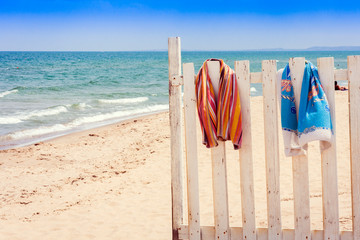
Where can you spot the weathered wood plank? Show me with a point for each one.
(300, 164)
(354, 112)
(346, 235)
(256, 77)
(208, 232)
(271, 149)
(191, 152)
(218, 157)
(175, 132)
(341, 74)
(328, 156)
(242, 69)
(262, 234)
(289, 234)
(317, 235)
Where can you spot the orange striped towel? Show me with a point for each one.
(221, 119)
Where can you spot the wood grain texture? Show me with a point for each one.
(175, 115)
(191, 152)
(219, 176)
(208, 233)
(328, 156)
(354, 112)
(271, 149)
(242, 69)
(300, 164)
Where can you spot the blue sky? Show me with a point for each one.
(100, 25)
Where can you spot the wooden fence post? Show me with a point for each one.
(328, 157)
(175, 132)
(218, 158)
(271, 149)
(242, 69)
(191, 152)
(300, 164)
(354, 115)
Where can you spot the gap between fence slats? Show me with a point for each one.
(191, 152)
(300, 164)
(354, 112)
(242, 69)
(175, 134)
(328, 157)
(219, 176)
(271, 149)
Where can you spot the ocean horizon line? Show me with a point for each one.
(310, 49)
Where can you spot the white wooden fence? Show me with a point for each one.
(268, 78)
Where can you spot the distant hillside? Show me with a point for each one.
(341, 48)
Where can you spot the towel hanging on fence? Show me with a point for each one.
(314, 118)
(221, 119)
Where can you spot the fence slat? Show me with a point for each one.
(341, 74)
(175, 133)
(300, 164)
(289, 234)
(354, 98)
(256, 77)
(317, 235)
(262, 234)
(328, 157)
(271, 149)
(346, 235)
(242, 69)
(218, 158)
(191, 152)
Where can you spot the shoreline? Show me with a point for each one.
(27, 142)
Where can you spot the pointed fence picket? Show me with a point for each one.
(300, 164)
(268, 78)
(242, 68)
(328, 157)
(218, 159)
(354, 101)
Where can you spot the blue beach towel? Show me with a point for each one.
(314, 119)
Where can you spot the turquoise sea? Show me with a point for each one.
(49, 94)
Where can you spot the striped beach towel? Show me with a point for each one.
(220, 117)
(313, 121)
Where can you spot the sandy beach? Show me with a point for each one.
(113, 182)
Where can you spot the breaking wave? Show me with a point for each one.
(124, 100)
(3, 94)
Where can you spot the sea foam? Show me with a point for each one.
(37, 113)
(124, 100)
(118, 114)
(45, 130)
(10, 120)
(46, 112)
(3, 94)
(29, 133)
(78, 106)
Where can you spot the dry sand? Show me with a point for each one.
(113, 182)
